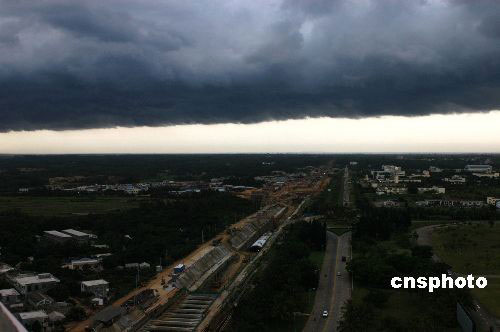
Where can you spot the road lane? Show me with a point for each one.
(342, 288)
(332, 290)
(325, 288)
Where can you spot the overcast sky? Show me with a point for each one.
(208, 67)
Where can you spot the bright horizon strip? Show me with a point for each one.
(451, 133)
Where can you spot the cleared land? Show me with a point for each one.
(473, 249)
(57, 206)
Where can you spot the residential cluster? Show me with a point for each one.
(391, 180)
(28, 296)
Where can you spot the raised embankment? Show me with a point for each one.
(201, 271)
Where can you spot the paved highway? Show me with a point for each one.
(346, 198)
(333, 290)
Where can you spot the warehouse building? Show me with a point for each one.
(56, 236)
(80, 237)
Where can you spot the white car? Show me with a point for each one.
(325, 313)
(338, 274)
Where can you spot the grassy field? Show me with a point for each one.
(58, 206)
(489, 297)
(400, 304)
(469, 248)
(473, 249)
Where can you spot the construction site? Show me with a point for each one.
(193, 294)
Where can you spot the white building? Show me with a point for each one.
(56, 236)
(437, 190)
(434, 169)
(487, 175)
(80, 237)
(26, 283)
(479, 168)
(84, 263)
(455, 179)
(99, 288)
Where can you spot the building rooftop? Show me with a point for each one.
(90, 283)
(4, 268)
(74, 232)
(85, 261)
(58, 234)
(24, 280)
(33, 314)
(108, 314)
(8, 292)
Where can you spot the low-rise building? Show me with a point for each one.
(78, 236)
(99, 288)
(84, 264)
(391, 190)
(450, 203)
(434, 169)
(144, 265)
(27, 283)
(434, 189)
(487, 175)
(479, 168)
(56, 236)
(132, 265)
(29, 318)
(455, 179)
(9, 296)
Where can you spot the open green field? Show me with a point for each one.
(489, 297)
(400, 305)
(473, 249)
(469, 248)
(58, 206)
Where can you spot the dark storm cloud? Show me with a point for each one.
(89, 64)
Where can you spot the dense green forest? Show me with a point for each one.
(280, 288)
